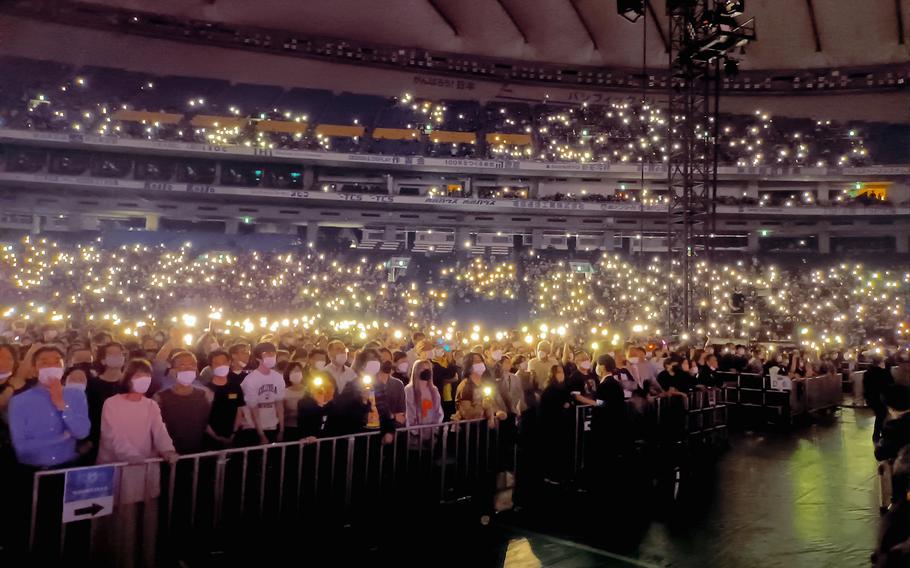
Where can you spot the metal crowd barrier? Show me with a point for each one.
(823, 392)
(214, 495)
(752, 392)
(699, 417)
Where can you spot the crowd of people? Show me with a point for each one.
(603, 297)
(624, 130)
(103, 358)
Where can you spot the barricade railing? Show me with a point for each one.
(745, 391)
(822, 392)
(696, 417)
(213, 495)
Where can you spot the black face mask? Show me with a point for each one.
(426, 375)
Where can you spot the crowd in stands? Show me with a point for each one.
(43, 95)
(139, 286)
(134, 353)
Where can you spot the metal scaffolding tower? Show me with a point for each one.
(702, 33)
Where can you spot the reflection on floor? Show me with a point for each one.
(803, 498)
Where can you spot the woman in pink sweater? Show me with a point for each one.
(132, 431)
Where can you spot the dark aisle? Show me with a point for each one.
(804, 498)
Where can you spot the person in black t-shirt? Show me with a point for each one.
(225, 416)
(673, 378)
(239, 362)
(582, 383)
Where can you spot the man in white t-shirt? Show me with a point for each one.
(337, 367)
(263, 393)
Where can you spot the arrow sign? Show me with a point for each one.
(88, 493)
(91, 511)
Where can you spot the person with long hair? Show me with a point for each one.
(293, 393)
(133, 431)
(557, 414)
(109, 360)
(423, 402)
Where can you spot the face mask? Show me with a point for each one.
(693, 371)
(186, 378)
(75, 386)
(113, 361)
(541, 355)
(50, 335)
(221, 370)
(403, 367)
(584, 365)
(269, 362)
(371, 367)
(497, 355)
(296, 377)
(48, 374)
(478, 368)
(523, 365)
(438, 353)
(319, 365)
(633, 360)
(341, 358)
(5, 375)
(425, 375)
(141, 384)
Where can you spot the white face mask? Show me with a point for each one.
(541, 355)
(48, 374)
(497, 355)
(5, 375)
(186, 378)
(113, 361)
(403, 367)
(141, 384)
(221, 370)
(371, 367)
(438, 352)
(341, 358)
(269, 362)
(584, 365)
(296, 377)
(478, 368)
(633, 360)
(75, 386)
(523, 366)
(319, 365)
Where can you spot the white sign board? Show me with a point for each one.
(88, 493)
